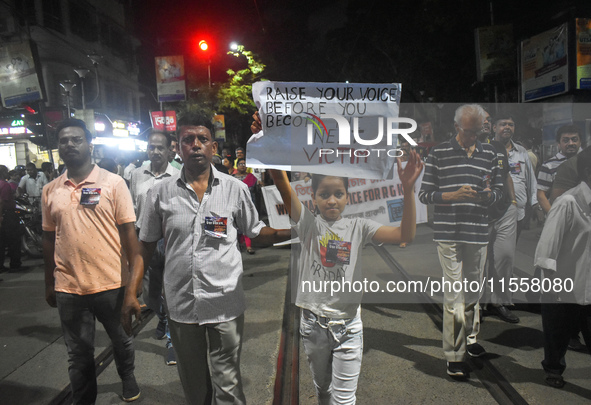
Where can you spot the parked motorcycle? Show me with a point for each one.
(28, 212)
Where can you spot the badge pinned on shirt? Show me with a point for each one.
(216, 227)
(515, 168)
(90, 196)
(486, 181)
(338, 251)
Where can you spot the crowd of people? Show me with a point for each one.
(170, 229)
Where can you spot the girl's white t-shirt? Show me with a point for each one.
(330, 271)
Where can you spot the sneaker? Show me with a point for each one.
(131, 391)
(160, 332)
(456, 369)
(475, 350)
(170, 356)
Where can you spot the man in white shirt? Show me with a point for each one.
(32, 183)
(141, 180)
(564, 256)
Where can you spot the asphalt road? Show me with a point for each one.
(403, 360)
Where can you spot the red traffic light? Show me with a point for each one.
(203, 45)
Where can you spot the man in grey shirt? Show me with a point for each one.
(522, 170)
(199, 212)
(141, 180)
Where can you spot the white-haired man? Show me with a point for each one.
(462, 178)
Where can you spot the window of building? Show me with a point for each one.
(25, 11)
(83, 22)
(52, 15)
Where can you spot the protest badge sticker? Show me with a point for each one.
(216, 227)
(90, 196)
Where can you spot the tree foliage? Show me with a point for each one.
(236, 94)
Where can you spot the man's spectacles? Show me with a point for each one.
(241, 164)
(477, 132)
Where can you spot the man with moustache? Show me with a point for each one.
(141, 180)
(462, 179)
(32, 183)
(502, 234)
(198, 212)
(522, 170)
(88, 220)
(564, 257)
(568, 138)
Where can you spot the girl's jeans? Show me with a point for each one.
(334, 348)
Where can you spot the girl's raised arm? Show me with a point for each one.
(288, 195)
(408, 225)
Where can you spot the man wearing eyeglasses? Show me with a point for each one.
(88, 221)
(462, 179)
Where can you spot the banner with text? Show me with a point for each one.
(163, 120)
(328, 128)
(380, 200)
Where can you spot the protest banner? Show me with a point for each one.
(379, 200)
(328, 128)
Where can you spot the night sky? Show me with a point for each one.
(428, 45)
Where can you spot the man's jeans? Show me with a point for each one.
(334, 348)
(152, 287)
(77, 315)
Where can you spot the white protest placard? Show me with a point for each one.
(328, 128)
(379, 200)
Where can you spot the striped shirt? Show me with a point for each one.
(548, 171)
(447, 169)
(202, 272)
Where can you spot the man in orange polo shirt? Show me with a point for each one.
(88, 218)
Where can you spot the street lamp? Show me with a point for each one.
(82, 72)
(68, 85)
(95, 59)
